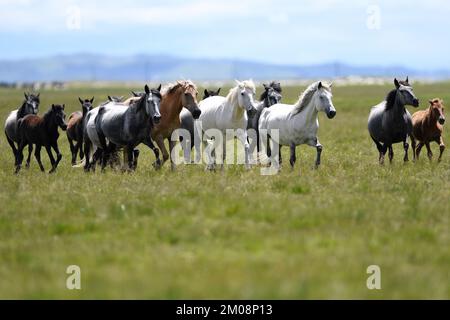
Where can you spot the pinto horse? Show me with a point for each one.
(427, 127)
(29, 106)
(175, 97)
(75, 128)
(41, 131)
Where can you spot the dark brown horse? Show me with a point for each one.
(427, 127)
(41, 131)
(75, 128)
(174, 98)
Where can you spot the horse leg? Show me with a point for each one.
(440, 141)
(406, 147)
(37, 155)
(58, 156)
(13, 147)
(136, 153)
(160, 142)
(80, 148)
(30, 151)
(419, 148)
(293, 158)
(381, 151)
(391, 153)
(242, 136)
(429, 153)
(52, 160)
(19, 156)
(319, 149)
(73, 151)
(172, 161)
(413, 147)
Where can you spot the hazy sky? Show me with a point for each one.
(402, 32)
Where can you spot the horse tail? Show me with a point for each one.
(98, 128)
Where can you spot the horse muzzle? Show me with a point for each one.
(156, 119)
(331, 114)
(251, 112)
(64, 127)
(415, 103)
(196, 113)
(441, 120)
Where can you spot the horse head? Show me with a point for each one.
(437, 109)
(59, 116)
(86, 104)
(323, 99)
(245, 91)
(405, 93)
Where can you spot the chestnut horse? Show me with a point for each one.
(41, 131)
(427, 127)
(175, 97)
(75, 128)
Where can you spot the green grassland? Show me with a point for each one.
(232, 234)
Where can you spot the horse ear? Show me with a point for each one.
(92, 100)
(147, 89)
(53, 106)
(26, 96)
(237, 82)
(37, 96)
(63, 106)
(109, 98)
(319, 86)
(265, 86)
(159, 87)
(407, 81)
(206, 93)
(397, 84)
(79, 99)
(431, 102)
(331, 84)
(134, 93)
(218, 90)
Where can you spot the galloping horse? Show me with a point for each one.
(230, 112)
(41, 131)
(427, 127)
(389, 122)
(270, 96)
(175, 97)
(74, 130)
(298, 124)
(29, 106)
(188, 123)
(124, 126)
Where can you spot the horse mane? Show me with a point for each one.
(306, 96)
(172, 87)
(390, 98)
(232, 94)
(275, 86)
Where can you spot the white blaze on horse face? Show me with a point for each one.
(407, 95)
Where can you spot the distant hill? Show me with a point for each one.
(89, 67)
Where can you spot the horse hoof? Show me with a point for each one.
(156, 165)
(210, 167)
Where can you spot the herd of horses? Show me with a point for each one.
(97, 135)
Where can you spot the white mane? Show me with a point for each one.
(233, 93)
(306, 96)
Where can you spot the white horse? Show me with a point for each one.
(297, 124)
(230, 112)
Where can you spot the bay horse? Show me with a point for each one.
(270, 96)
(29, 106)
(230, 112)
(298, 123)
(427, 127)
(175, 97)
(188, 123)
(389, 122)
(43, 132)
(74, 130)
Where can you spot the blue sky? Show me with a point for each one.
(409, 33)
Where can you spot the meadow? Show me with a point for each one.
(301, 234)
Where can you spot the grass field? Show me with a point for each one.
(231, 234)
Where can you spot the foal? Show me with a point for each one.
(427, 127)
(41, 131)
(75, 128)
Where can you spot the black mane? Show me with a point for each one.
(390, 99)
(275, 86)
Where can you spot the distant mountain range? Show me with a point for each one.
(94, 67)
